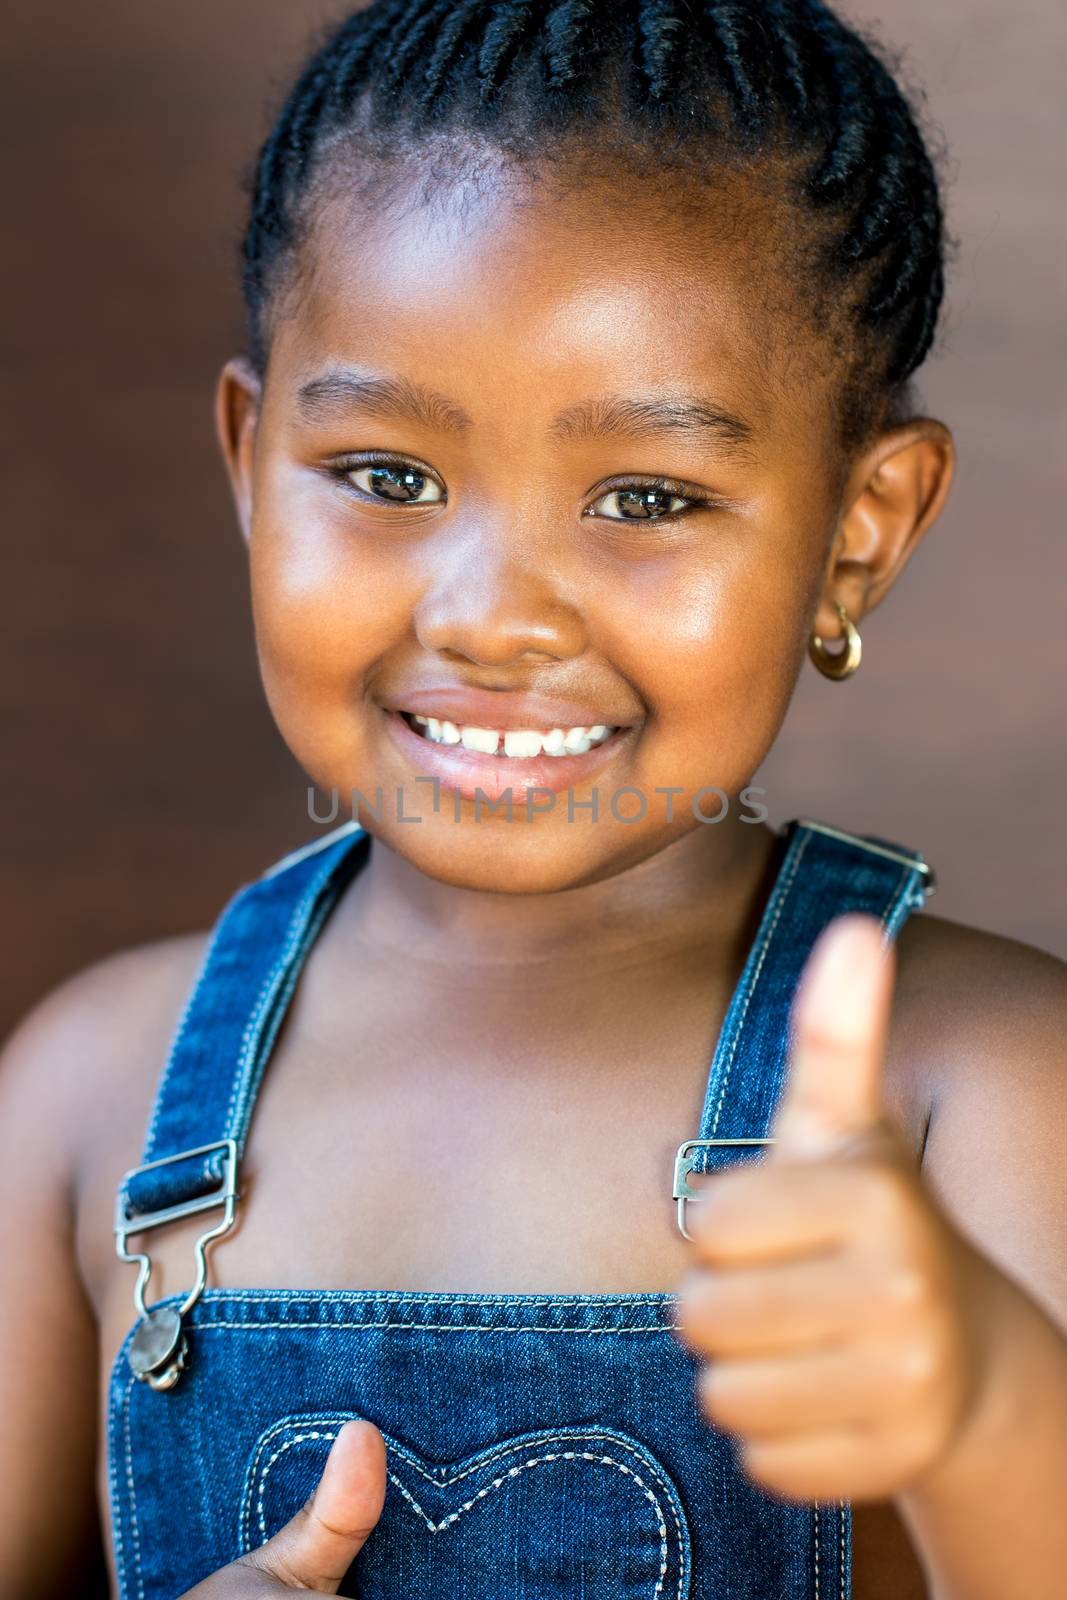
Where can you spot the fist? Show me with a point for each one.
(836, 1310)
(315, 1550)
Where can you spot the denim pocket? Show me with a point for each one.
(557, 1512)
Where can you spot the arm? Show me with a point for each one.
(990, 1523)
(875, 1332)
(57, 1072)
(50, 1540)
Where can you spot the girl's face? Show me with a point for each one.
(448, 487)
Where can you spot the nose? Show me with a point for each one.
(494, 606)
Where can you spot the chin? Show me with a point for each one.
(518, 858)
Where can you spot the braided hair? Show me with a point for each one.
(780, 87)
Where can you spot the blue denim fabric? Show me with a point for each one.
(538, 1446)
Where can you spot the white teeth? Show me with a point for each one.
(521, 744)
(483, 739)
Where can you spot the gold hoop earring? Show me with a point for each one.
(844, 664)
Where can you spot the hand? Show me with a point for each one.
(843, 1318)
(315, 1549)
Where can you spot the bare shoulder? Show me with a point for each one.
(95, 1041)
(983, 1020)
(969, 1003)
(939, 951)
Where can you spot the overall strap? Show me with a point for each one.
(824, 873)
(231, 1020)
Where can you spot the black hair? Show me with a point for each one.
(778, 87)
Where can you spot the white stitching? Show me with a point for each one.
(683, 1564)
(537, 1461)
(185, 1018)
(304, 925)
(245, 1061)
(116, 1512)
(255, 1297)
(129, 1483)
(485, 1459)
(497, 1483)
(840, 1515)
(817, 1591)
(784, 889)
(506, 1448)
(259, 1050)
(437, 1327)
(239, 894)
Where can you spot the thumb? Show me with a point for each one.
(839, 1024)
(316, 1548)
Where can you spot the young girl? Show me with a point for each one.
(575, 418)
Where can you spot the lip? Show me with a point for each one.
(469, 771)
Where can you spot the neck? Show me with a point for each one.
(697, 892)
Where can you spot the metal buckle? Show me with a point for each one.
(125, 1225)
(683, 1166)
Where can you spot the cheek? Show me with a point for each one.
(325, 604)
(715, 650)
(326, 609)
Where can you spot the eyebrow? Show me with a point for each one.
(339, 392)
(633, 418)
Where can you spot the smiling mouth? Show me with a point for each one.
(522, 744)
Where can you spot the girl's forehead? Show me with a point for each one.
(592, 286)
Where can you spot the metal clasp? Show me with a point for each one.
(684, 1165)
(158, 1352)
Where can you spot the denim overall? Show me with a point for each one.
(539, 1446)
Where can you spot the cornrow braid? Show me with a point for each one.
(567, 30)
(740, 32)
(504, 33)
(792, 60)
(462, 21)
(783, 84)
(663, 34)
(354, 46)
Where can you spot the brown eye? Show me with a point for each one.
(641, 504)
(396, 481)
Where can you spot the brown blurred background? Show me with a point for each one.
(144, 778)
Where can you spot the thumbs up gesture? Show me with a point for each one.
(837, 1310)
(316, 1548)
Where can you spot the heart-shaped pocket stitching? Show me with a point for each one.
(632, 1516)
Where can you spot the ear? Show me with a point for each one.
(237, 400)
(892, 494)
